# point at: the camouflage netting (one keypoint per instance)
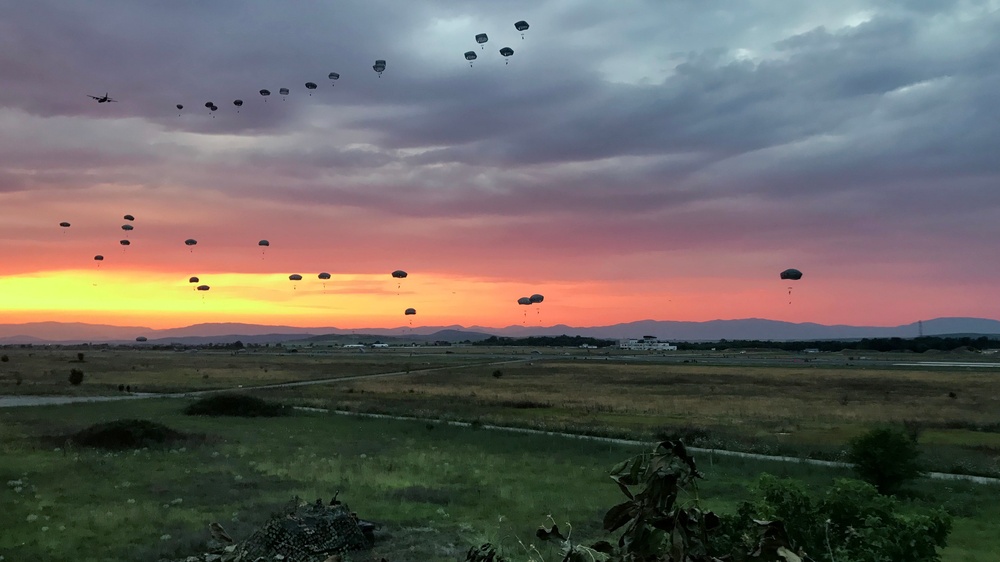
(304, 533)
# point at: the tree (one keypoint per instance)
(497, 374)
(886, 459)
(75, 377)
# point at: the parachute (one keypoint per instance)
(283, 92)
(127, 227)
(180, 106)
(324, 275)
(793, 275)
(64, 224)
(470, 56)
(379, 67)
(310, 86)
(209, 104)
(193, 280)
(124, 242)
(536, 298)
(333, 76)
(203, 287)
(506, 52)
(190, 242)
(98, 258)
(238, 104)
(524, 300)
(410, 311)
(265, 93)
(141, 339)
(263, 243)
(294, 277)
(482, 38)
(129, 218)
(399, 274)
(521, 26)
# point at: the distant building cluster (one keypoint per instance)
(646, 343)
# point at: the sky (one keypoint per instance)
(635, 159)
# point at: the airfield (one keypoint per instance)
(440, 488)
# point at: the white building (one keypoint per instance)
(646, 343)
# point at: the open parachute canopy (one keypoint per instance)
(482, 38)
(324, 276)
(792, 274)
(193, 280)
(310, 85)
(129, 218)
(283, 91)
(127, 227)
(203, 287)
(379, 66)
(124, 242)
(470, 56)
(506, 52)
(238, 103)
(180, 106)
(410, 311)
(190, 242)
(140, 338)
(295, 277)
(521, 25)
(536, 298)
(333, 76)
(263, 243)
(524, 300)
(399, 274)
(98, 257)
(265, 93)
(64, 224)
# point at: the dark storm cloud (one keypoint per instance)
(687, 113)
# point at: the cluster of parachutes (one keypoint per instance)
(378, 67)
(505, 52)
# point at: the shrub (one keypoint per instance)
(240, 405)
(849, 521)
(126, 434)
(885, 458)
(497, 374)
(4, 358)
(75, 377)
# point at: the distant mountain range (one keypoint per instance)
(714, 330)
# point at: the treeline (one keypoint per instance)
(546, 341)
(915, 345)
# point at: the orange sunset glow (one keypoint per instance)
(663, 175)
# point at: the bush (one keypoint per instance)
(885, 458)
(497, 374)
(850, 521)
(240, 405)
(126, 434)
(4, 358)
(75, 377)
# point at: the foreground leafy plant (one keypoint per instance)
(850, 521)
(657, 524)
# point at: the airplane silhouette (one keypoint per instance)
(103, 99)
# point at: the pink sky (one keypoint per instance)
(664, 171)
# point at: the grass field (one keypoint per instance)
(788, 409)
(443, 489)
(437, 489)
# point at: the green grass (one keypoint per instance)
(438, 489)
